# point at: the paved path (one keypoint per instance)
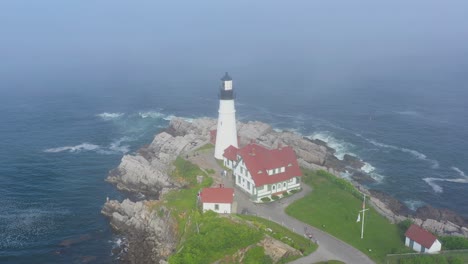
(330, 248)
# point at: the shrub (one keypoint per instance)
(266, 199)
(275, 197)
(295, 191)
(256, 255)
(286, 193)
(454, 242)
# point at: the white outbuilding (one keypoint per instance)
(421, 240)
(218, 200)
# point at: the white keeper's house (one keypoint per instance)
(263, 172)
(218, 200)
(421, 240)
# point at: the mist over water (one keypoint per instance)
(82, 84)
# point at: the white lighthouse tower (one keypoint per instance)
(226, 134)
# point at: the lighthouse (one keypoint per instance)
(226, 134)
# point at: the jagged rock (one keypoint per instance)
(353, 162)
(393, 204)
(440, 214)
(150, 234)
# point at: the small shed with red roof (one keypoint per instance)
(219, 200)
(263, 172)
(421, 240)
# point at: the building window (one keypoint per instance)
(216, 207)
(284, 185)
(248, 185)
(273, 187)
(242, 170)
(238, 178)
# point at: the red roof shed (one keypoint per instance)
(421, 236)
(217, 195)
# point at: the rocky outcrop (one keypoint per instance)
(440, 214)
(147, 172)
(150, 234)
(391, 203)
(277, 250)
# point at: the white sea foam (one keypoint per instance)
(438, 189)
(431, 181)
(115, 147)
(151, 114)
(109, 116)
(414, 204)
(367, 168)
(415, 153)
(376, 176)
(77, 148)
(460, 172)
(341, 147)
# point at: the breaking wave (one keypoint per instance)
(414, 204)
(367, 168)
(341, 147)
(151, 114)
(77, 148)
(109, 116)
(415, 153)
(116, 147)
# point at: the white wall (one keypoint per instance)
(246, 182)
(224, 208)
(226, 133)
(436, 247)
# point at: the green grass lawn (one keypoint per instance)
(334, 210)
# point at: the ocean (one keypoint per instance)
(57, 147)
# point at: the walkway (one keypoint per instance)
(330, 248)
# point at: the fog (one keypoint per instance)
(88, 46)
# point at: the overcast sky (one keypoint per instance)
(92, 42)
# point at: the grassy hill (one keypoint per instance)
(333, 206)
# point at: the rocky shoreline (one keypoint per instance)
(151, 235)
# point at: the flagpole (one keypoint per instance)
(363, 217)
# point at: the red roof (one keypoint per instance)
(230, 153)
(258, 160)
(420, 235)
(217, 195)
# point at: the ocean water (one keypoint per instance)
(56, 148)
